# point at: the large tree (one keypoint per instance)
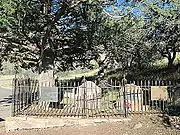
(165, 29)
(160, 32)
(52, 33)
(124, 40)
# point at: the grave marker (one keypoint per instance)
(49, 94)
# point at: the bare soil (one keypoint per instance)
(139, 125)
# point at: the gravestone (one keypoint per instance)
(133, 99)
(88, 95)
(47, 79)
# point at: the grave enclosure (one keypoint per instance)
(88, 99)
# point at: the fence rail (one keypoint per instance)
(91, 99)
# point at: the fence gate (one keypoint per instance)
(88, 99)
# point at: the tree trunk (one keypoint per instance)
(171, 58)
(170, 63)
(139, 64)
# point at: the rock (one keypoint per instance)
(177, 126)
(1, 119)
(139, 125)
(166, 120)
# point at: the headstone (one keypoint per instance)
(134, 97)
(132, 88)
(88, 95)
(47, 79)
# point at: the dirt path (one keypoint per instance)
(139, 125)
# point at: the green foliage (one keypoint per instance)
(68, 35)
(63, 39)
(8, 68)
(164, 34)
(77, 73)
(6, 10)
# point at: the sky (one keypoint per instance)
(123, 7)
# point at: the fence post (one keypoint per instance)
(124, 81)
(28, 87)
(14, 96)
(57, 84)
(84, 97)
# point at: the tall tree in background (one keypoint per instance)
(6, 11)
(165, 34)
(161, 21)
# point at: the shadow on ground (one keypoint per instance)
(1, 119)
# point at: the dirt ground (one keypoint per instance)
(5, 108)
(139, 125)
